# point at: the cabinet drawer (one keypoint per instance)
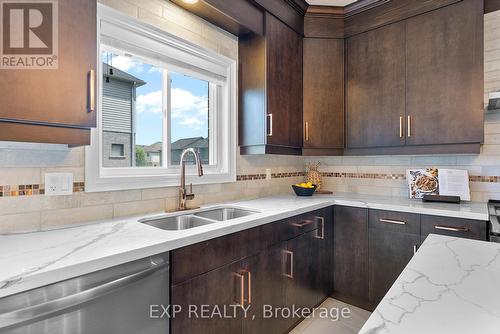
(193, 260)
(301, 224)
(394, 221)
(456, 227)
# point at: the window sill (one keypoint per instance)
(118, 157)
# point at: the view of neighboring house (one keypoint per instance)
(118, 113)
(198, 143)
(153, 153)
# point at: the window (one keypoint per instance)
(159, 95)
(117, 151)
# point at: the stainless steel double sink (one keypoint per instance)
(201, 217)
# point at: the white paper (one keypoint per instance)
(454, 182)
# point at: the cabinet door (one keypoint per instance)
(300, 264)
(323, 93)
(389, 253)
(57, 96)
(223, 288)
(266, 287)
(324, 249)
(350, 252)
(444, 51)
(376, 87)
(284, 84)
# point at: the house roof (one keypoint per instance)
(121, 75)
(181, 144)
(196, 142)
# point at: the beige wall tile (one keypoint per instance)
(138, 207)
(56, 218)
(26, 222)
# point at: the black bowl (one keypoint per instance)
(299, 191)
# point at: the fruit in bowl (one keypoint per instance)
(304, 189)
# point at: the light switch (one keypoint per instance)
(58, 184)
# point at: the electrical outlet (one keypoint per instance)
(268, 173)
(58, 184)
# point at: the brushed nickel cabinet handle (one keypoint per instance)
(307, 131)
(241, 296)
(452, 229)
(408, 131)
(320, 232)
(270, 118)
(389, 221)
(400, 126)
(288, 258)
(303, 223)
(91, 91)
(249, 287)
(415, 249)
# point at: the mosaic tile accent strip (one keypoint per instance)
(32, 189)
(250, 177)
(472, 178)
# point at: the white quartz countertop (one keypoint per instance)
(32, 260)
(451, 285)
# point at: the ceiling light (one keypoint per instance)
(190, 2)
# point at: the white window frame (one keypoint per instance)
(222, 126)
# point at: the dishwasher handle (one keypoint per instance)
(51, 308)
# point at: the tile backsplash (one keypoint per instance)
(22, 167)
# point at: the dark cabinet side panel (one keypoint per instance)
(350, 252)
(444, 51)
(376, 87)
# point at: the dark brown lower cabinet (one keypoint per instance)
(454, 227)
(220, 288)
(246, 270)
(266, 289)
(350, 255)
(301, 263)
(389, 253)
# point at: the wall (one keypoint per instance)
(22, 169)
(384, 175)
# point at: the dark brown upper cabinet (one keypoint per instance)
(416, 86)
(270, 111)
(55, 105)
(376, 87)
(323, 103)
(444, 83)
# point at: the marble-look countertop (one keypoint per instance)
(451, 285)
(32, 260)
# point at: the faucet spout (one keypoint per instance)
(184, 196)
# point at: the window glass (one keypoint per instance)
(117, 150)
(189, 117)
(132, 110)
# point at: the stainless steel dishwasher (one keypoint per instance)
(109, 301)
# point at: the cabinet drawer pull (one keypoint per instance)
(249, 287)
(241, 293)
(415, 248)
(91, 91)
(400, 126)
(320, 232)
(303, 223)
(270, 124)
(453, 229)
(307, 131)
(408, 131)
(288, 259)
(389, 221)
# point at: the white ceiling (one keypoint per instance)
(330, 2)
